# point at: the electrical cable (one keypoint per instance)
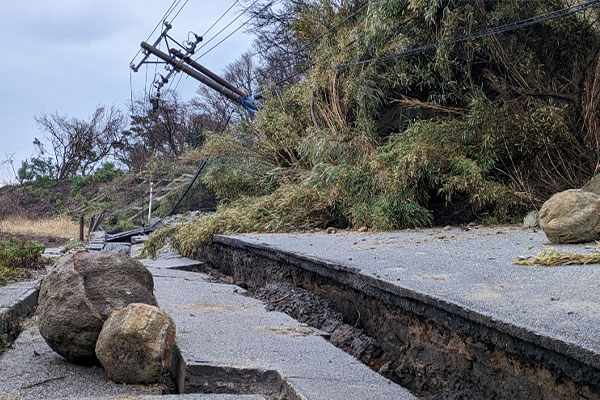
(228, 36)
(221, 17)
(184, 4)
(226, 26)
(165, 16)
(236, 30)
(206, 33)
(184, 194)
(318, 37)
(563, 12)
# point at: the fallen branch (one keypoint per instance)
(42, 382)
(355, 324)
(279, 299)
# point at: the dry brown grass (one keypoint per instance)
(554, 258)
(60, 227)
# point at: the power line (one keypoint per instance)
(563, 12)
(205, 33)
(182, 7)
(229, 35)
(221, 17)
(237, 29)
(226, 26)
(164, 17)
(317, 38)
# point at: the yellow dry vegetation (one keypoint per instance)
(59, 227)
(553, 258)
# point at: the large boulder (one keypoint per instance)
(593, 185)
(136, 343)
(81, 292)
(572, 216)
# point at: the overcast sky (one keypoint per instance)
(71, 55)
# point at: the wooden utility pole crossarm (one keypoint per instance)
(206, 72)
(230, 94)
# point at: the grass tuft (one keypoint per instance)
(553, 258)
(60, 227)
(18, 258)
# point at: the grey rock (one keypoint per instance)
(138, 239)
(136, 343)
(593, 185)
(532, 220)
(572, 216)
(81, 292)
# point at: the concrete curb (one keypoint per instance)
(233, 255)
(17, 305)
(368, 284)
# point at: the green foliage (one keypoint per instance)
(157, 240)
(477, 130)
(74, 244)
(104, 174)
(5, 342)
(289, 208)
(231, 178)
(36, 169)
(18, 256)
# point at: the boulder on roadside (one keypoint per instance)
(572, 216)
(81, 292)
(593, 185)
(136, 343)
(532, 220)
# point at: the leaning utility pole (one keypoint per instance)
(178, 61)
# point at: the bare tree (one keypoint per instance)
(165, 131)
(9, 162)
(218, 111)
(78, 146)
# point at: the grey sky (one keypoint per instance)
(71, 55)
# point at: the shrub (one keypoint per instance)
(472, 130)
(17, 257)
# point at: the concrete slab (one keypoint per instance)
(17, 302)
(32, 371)
(172, 262)
(139, 239)
(54, 252)
(122, 248)
(468, 273)
(228, 342)
(182, 397)
(95, 246)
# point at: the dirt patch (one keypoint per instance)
(48, 241)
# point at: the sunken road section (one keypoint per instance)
(449, 312)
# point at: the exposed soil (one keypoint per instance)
(315, 311)
(434, 354)
(48, 241)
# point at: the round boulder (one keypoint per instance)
(135, 345)
(81, 292)
(572, 216)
